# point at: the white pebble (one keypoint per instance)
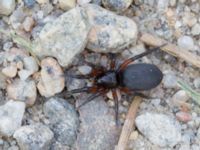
(186, 42)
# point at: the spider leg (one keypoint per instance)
(130, 60)
(115, 97)
(141, 95)
(112, 62)
(92, 89)
(89, 99)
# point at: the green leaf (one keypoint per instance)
(192, 93)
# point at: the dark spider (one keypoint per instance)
(127, 77)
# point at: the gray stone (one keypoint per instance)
(7, 6)
(110, 32)
(84, 69)
(11, 114)
(196, 29)
(23, 91)
(117, 5)
(98, 130)
(186, 42)
(34, 137)
(63, 120)
(65, 37)
(160, 129)
(170, 80)
(29, 3)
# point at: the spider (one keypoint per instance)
(128, 78)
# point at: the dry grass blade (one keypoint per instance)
(171, 49)
(22, 42)
(128, 124)
(192, 93)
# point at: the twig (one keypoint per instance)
(128, 124)
(171, 49)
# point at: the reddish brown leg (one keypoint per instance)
(132, 59)
(115, 97)
(93, 89)
(112, 63)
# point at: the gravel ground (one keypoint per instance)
(65, 37)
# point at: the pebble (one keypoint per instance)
(83, 2)
(66, 4)
(170, 80)
(28, 24)
(52, 42)
(160, 129)
(24, 74)
(34, 137)
(63, 119)
(162, 4)
(196, 29)
(29, 3)
(51, 79)
(7, 7)
(183, 116)
(186, 42)
(10, 71)
(197, 83)
(11, 114)
(109, 32)
(189, 19)
(42, 1)
(24, 91)
(180, 97)
(7, 46)
(30, 64)
(117, 5)
(98, 130)
(84, 69)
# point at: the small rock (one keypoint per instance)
(16, 55)
(7, 46)
(196, 29)
(42, 1)
(98, 129)
(10, 71)
(197, 83)
(29, 3)
(84, 69)
(117, 5)
(186, 42)
(180, 97)
(162, 4)
(110, 32)
(30, 64)
(11, 114)
(52, 79)
(65, 37)
(63, 120)
(1, 142)
(183, 116)
(28, 24)
(170, 80)
(66, 5)
(24, 74)
(34, 137)
(7, 7)
(189, 19)
(82, 2)
(23, 91)
(160, 129)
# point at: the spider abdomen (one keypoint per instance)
(141, 77)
